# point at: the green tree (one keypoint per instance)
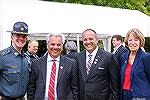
(141, 5)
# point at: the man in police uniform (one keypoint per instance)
(15, 65)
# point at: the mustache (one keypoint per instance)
(88, 44)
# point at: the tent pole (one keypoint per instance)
(78, 43)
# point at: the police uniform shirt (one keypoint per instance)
(14, 73)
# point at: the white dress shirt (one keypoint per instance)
(49, 67)
(93, 55)
(115, 49)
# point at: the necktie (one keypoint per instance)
(51, 91)
(89, 63)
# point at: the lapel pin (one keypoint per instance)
(61, 67)
(125, 62)
(96, 59)
(95, 62)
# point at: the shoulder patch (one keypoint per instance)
(4, 52)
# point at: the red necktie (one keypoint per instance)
(51, 91)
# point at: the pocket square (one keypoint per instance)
(101, 68)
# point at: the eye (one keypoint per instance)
(85, 39)
(24, 36)
(52, 44)
(90, 38)
(58, 45)
(130, 40)
(136, 40)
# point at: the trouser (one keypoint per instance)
(127, 96)
(11, 98)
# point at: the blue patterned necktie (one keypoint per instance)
(89, 63)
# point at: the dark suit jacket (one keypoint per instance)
(72, 54)
(67, 79)
(140, 74)
(103, 81)
(121, 50)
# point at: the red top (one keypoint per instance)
(126, 84)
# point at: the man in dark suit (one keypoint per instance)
(119, 49)
(53, 76)
(32, 49)
(101, 80)
(71, 49)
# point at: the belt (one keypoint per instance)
(11, 98)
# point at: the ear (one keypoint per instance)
(11, 37)
(47, 46)
(97, 40)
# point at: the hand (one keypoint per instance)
(0, 97)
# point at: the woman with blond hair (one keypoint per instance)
(135, 82)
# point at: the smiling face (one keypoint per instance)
(33, 47)
(89, 40)
(116, 42)
(18, 41)
(133, 43)
(55, 46)
(134, 39)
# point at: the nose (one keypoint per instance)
(22, 37)
(88, 41)
(55, 46)
(36, 48)
(132, 42)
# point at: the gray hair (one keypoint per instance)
(57, 35)
(71, 46)
(30, 41)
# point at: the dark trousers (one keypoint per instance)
(11, 98)
(126, 95)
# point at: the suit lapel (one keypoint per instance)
(83, 65)
(97, 59)
(43, 67)
(123, 68)
(61, 69)
(136, 60)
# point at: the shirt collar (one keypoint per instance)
(16, 52)
(93, 53)
(117, 47)
(50, 58)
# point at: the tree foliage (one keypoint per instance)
(141, 5)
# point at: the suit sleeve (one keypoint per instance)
(32, 83)
(146, 63)
(114, 79)
(74, 81)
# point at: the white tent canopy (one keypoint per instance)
(49, 17)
